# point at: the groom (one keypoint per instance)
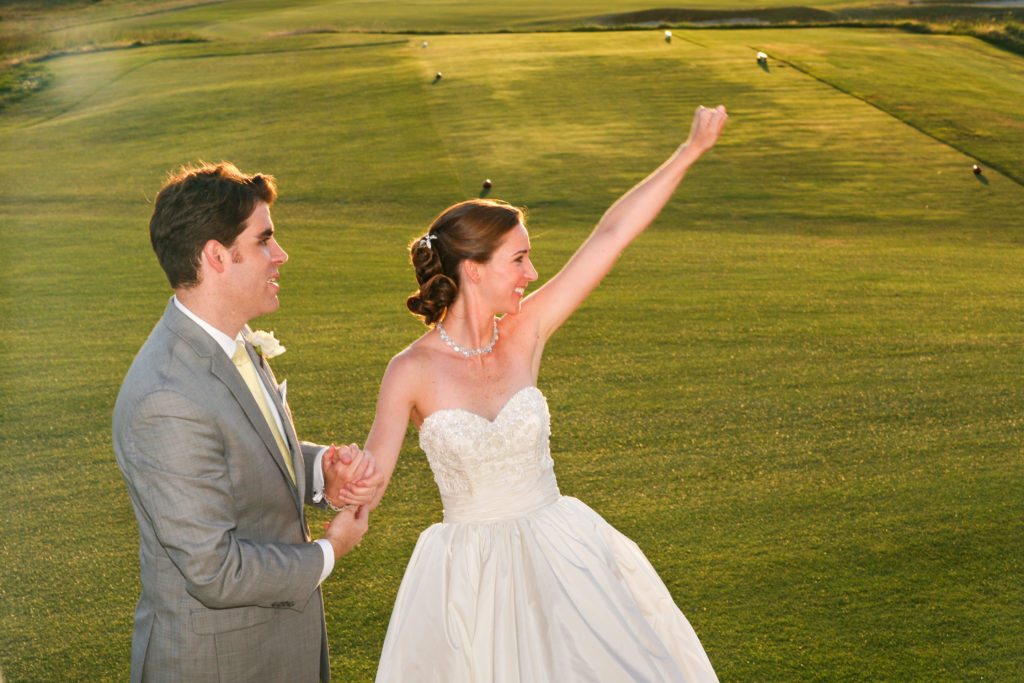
(215, 472)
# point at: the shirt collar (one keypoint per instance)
(224, 341)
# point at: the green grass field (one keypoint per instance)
(801, 392)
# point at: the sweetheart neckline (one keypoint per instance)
(482, 417)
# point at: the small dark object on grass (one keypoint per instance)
(976, 169)
(487, 184)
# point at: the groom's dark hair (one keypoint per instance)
(198, 204)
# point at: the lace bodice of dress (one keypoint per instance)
(491, 470)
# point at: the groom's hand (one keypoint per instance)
(347, 529)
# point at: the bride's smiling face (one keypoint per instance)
(503, 280)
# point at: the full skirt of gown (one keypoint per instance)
(522, 584)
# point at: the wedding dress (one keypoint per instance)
(521, 584)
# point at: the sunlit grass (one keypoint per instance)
(800, 393)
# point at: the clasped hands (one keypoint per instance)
(351, 476)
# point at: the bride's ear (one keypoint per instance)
(471, 270)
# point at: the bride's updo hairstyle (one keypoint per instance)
(468, 230)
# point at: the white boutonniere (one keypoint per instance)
(266, 344)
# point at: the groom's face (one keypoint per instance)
(256, 258)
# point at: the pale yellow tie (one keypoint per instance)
(252, 380)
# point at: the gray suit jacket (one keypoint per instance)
(229, 576)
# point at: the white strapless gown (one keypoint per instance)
(520, 583)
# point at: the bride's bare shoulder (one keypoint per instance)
(409, 372)
(413, 359)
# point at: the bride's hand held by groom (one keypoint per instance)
(351, 475)
(351, 480)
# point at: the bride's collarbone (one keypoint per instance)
(482, 384)
(480, 390)
(485, 376)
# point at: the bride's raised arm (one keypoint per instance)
(553, 303)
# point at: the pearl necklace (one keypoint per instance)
(468, 353)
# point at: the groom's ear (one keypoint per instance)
(215, 255)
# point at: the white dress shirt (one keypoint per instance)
(229, 345)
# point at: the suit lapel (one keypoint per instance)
(269, 381)
(222, 368)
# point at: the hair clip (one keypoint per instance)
(427, 239)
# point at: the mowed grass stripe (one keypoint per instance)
(959, 90)
(788, 137)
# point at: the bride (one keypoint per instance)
(518, 583)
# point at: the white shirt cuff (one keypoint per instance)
(328, 549)
(318, 478)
